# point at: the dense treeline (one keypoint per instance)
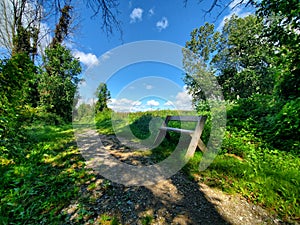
(30, 92)
(256, 62)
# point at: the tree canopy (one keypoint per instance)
(256, 62)
(103, 96)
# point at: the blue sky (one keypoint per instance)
(141, 85)
(144, 85)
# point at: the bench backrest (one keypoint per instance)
(197, 119)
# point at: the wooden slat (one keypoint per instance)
(185, 118)
(177, 130)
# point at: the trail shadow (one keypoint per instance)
(174, 201)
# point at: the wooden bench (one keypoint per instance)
(195, 134)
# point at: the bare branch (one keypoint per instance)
(108, 10)
(221, 12)
(213, 5)
(238, 4)
(216, 3)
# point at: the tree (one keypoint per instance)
(282, 25)
(281, 28)
(16, 74)
(103, 95)
(84, 111)
(204, 41)
(59, 81)
(244, 64)
(62, 28)
(20, 25)
(197, 60)
(238, 56)
(20, 21)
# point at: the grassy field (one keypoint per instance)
(41, 176)
(246, 165)
(43, 173)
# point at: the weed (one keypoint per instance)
(147, 220)
(109, 220)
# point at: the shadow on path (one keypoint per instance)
(176, 200)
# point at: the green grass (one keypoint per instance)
(264, 176)
(246, 165)
(42, 177)
(147, 220)
(261, 181)
(42, 172)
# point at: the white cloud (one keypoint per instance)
(136, 15)
(183, 101)
(91, 101)
(123, 105)
(148, 109)
(238, 10)
(45, 37)
(162, 24)
(151, 12)
(106, 56)
(87, 59)
(149, 87)
(152, 103)
(168, 103)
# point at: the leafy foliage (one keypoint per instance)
(238, 56)
(282, 24)
(103, 96)
(256, 61)
(16, 74)
(63, 26)
(59, 81)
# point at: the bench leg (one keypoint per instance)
(159, 138)
(201, 145)
(192, 146)
(196, 139)
(162, 133)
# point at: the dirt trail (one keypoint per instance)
(176, 200)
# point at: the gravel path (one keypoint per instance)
(176, 200)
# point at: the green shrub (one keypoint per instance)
(285, 125)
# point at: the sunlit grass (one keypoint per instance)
(245, 165)
(35, 188)
(264, 178)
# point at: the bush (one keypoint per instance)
(277, 123)
(285, 127)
